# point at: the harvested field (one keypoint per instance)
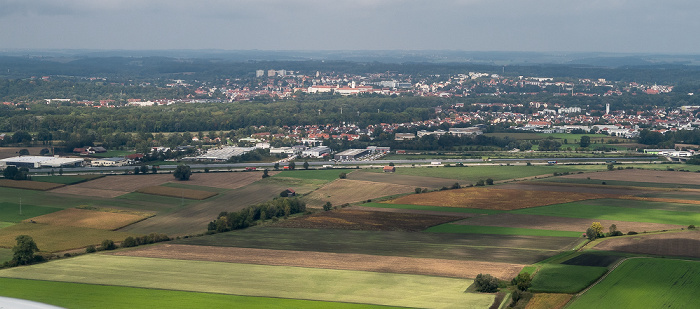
(259, 280)
(52, 238)
(471, 247)
(177, 192)
(113, 186)
(88, 218)
(406, 180)
(548, 301)
(223, 180)
(66, 180)
(346, 261)
(685, 244)
(489, 198)
(643, 176)
(29, 185)
(560, 223)
(355, 219)
(350, 191)
(194, 218)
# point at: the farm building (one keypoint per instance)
(377, 149)
(316, 152)
(116, 161)
(389, 169)
(351, 154)
(466, 131)
(38, 161)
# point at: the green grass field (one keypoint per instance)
(9, 212)
(432, 208)
(645, 283)
(259, 280)
(472, 229)
(66, 180)
(6, 224)
(483, 247)
(559, 278)
(83, 296)
(643, 204)
(5, 255)
(495, 172)
(327, 175)
(599, 212)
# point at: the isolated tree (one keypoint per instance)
(611, 167)
(594, 231)
(277, 165)
(522, 281)
(137, 170)
(265, 174)
(10, 172)
(480, 183)
(23, 252)
(418, 190)
(60, 171)
(292, 165)
(144, 169)
(306, 165)
(585, 141)
(182, 172)
(343, 175)
(489, 181)
(24, 152)
(327, 206)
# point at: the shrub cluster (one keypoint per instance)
(279, 207)
(144, 240)
(486, 283)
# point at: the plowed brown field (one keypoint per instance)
(354, 219)
(28, 184)
(88, 218)
(177, 192)
(560, 223)
(667, 244)
(497, 199)
(344, 261)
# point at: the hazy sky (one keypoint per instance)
(668, 26)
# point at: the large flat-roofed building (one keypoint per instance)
(39, 161)
(351, 154)
(116, 161)
(316, 152)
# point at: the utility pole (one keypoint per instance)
(20, 206)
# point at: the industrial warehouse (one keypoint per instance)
(39, 161)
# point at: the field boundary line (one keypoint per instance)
(579, 294)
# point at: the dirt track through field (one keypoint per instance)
(560, 223)
(343, 261)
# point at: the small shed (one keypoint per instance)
(389, 169)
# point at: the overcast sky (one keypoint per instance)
(637, 26)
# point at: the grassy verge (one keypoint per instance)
(327, 175)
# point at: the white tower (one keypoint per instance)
(607, 108)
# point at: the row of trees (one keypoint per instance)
(279, 207)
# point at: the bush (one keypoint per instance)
(455, 185)
(691, 227)
(182, 172)
(632, 233)
(90, 249)
(480, 183)
(418, 190)
(343, 175)
(486, 283)
(129, 242)
(108, 244)
(489, 181)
